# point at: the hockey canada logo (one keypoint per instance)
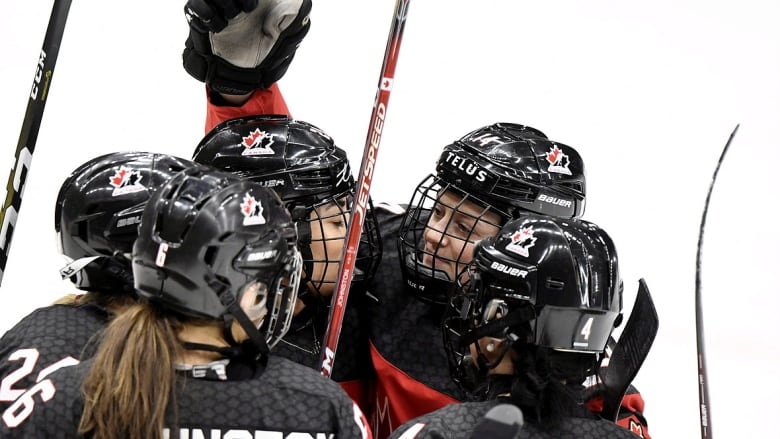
(522, 240)
(126, 181)
(258, 143)
(559, 162)
(252, 210)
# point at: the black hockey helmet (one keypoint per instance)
(205, 237)
(97, 214)
(505, 169)
(545, 281)
(515, 168)
(305, 167)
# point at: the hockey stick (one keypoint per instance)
(358, 211)
(44, 71)
(704, 392)
(630, 352)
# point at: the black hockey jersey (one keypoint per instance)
(43, 341)
(352, 368)
(407, 350)
(458, 421)
(282, 400)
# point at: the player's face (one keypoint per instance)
(328, 224)
(454, 226)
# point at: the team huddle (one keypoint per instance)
(206, 283)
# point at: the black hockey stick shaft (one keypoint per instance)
(363, 187)
(705, 418)
(630, 352)
(39, 93)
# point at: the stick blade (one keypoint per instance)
(631, 350)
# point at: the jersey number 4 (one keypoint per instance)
(24, 403)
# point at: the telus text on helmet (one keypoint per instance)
(467, 166)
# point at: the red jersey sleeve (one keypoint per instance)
(269, 101)
(631, 415)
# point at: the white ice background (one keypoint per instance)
(648, 92)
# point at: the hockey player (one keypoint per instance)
(251, 134)
(96, 218)
(482, 180)
(312, 176)
(528, 321)
(216, 261)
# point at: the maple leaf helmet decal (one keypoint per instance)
(97, 213)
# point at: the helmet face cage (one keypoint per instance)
(476, 310)
(206, 236)
(459, 317)
(97, 213)
(281, 301)
(322, 237)
(313, 178)
(438, 233)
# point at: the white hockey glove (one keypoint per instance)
(252, 52)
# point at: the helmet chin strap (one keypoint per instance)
(225, 351)
(234, 311)
(76, 266)
(491, 328)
